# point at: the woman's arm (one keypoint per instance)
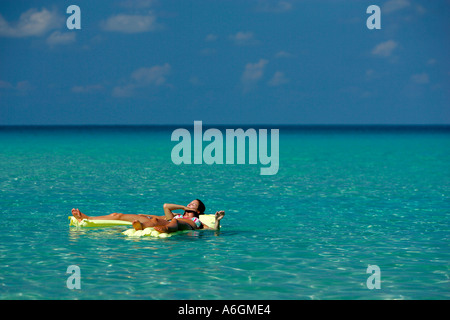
(219, 215)
(168, 208)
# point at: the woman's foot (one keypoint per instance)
(79, 215)
(137, 225)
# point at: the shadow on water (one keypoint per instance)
(77, 233)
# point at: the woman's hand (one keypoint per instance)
(219, 215)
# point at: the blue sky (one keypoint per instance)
(224, 62)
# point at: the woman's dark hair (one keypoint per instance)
(201, 206)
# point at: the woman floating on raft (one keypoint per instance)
(168, 223)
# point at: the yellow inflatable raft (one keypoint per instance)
(206, 219)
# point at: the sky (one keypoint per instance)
(150, 62)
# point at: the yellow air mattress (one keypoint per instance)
(206, 219)
(86, 223)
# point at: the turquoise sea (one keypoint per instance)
(344, 198)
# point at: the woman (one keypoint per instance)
(167, 223)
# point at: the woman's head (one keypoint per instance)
(198, 206)
(201, 206)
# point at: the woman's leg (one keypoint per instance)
(116, 216)
(172, 226)
(140, 224)
(176, 225)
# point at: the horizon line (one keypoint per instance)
(233, 125)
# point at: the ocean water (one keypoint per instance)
(344, 198)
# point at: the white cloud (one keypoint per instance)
(195, 81)
(126, 23)
(31, 23)
(211, 37)
(208, 51)
(138, 4)
(243, 38)
(156, 75)
(123, 91)
(394, 5)
(253, 72)
(420, 9)
(421, 78)
(143, 77)
(87, 89)
(284, 54)
(278, 79)
(21, 87)
(5, 85)
(384, 49)
(61, 38)
(274, 6)
(370, 74)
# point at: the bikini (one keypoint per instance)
(196, 220)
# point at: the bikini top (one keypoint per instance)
(196, 220)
